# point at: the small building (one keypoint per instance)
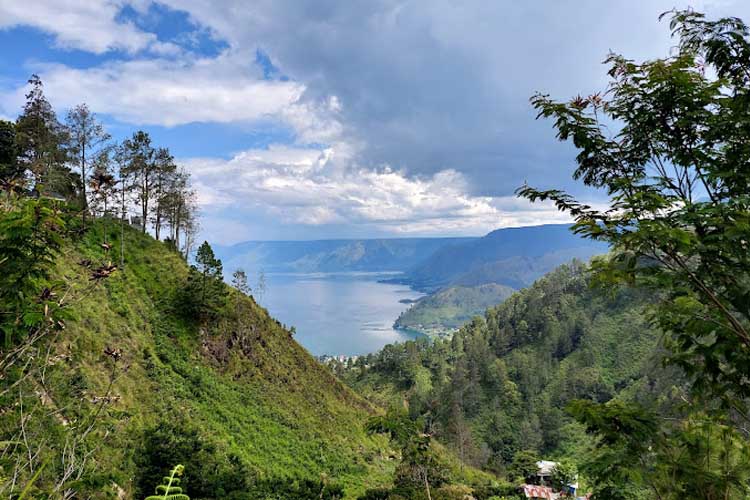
(544, 474)
(543, 487)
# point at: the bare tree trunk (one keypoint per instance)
(105, 219)
(122, 228)
(144, 200)
(157, 222)
(178, 222)
(83, 183)
(427, 485)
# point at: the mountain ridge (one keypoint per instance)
(508, 256)
(332, 255)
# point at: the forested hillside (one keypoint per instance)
(129, 366)
(126, 356)
(445, 310)
(497, 390)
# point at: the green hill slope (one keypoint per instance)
(236, 400)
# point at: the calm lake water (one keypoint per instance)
(338, 313)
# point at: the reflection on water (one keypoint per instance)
(338, 313)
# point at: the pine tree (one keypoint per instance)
(40, 136)
(165, 171)
(205, 292)
(125, 183)
(102, 184)
(239, 282)
(170, 488)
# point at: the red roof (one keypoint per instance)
(532, 491)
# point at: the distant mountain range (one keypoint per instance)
(513, 257)
(369, 255)
(466, 278)
(463, 276)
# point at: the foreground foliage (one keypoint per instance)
(675, 170)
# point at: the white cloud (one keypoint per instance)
(170, 92)
(314, 187)
(89, 25)
(437, 84)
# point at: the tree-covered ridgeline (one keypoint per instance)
(496, 392)
(77, 161)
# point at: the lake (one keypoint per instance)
(338, 313)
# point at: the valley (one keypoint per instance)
(358, 271)
(330, 289)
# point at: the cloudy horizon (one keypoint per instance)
(315, 120)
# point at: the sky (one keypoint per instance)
(335, 119)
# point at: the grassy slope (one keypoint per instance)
(265, 399)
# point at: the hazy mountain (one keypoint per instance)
(388, 254)
(514, 257)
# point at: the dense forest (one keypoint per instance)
(632, 371)
(497, 390)
(129, 367)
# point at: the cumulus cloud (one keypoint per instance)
(431, 85)
(410, 117)
(318, 187)
(169, 92)
(89, 25)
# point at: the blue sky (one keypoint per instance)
(319, 119)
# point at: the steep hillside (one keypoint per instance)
(513, 257)
(499, 386)
(394, 254)
(446, 310)
(236, 400)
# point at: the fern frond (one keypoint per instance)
(170, 489)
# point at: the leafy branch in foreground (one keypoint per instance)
(679, 190)
(675, 170)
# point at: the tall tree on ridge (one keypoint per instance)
(165, 171)
(86, 137)
(125, 181)
(103, 183)
(205, 291)
(239, 282)
(39, 135)
(179, 210)
(142, 168)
